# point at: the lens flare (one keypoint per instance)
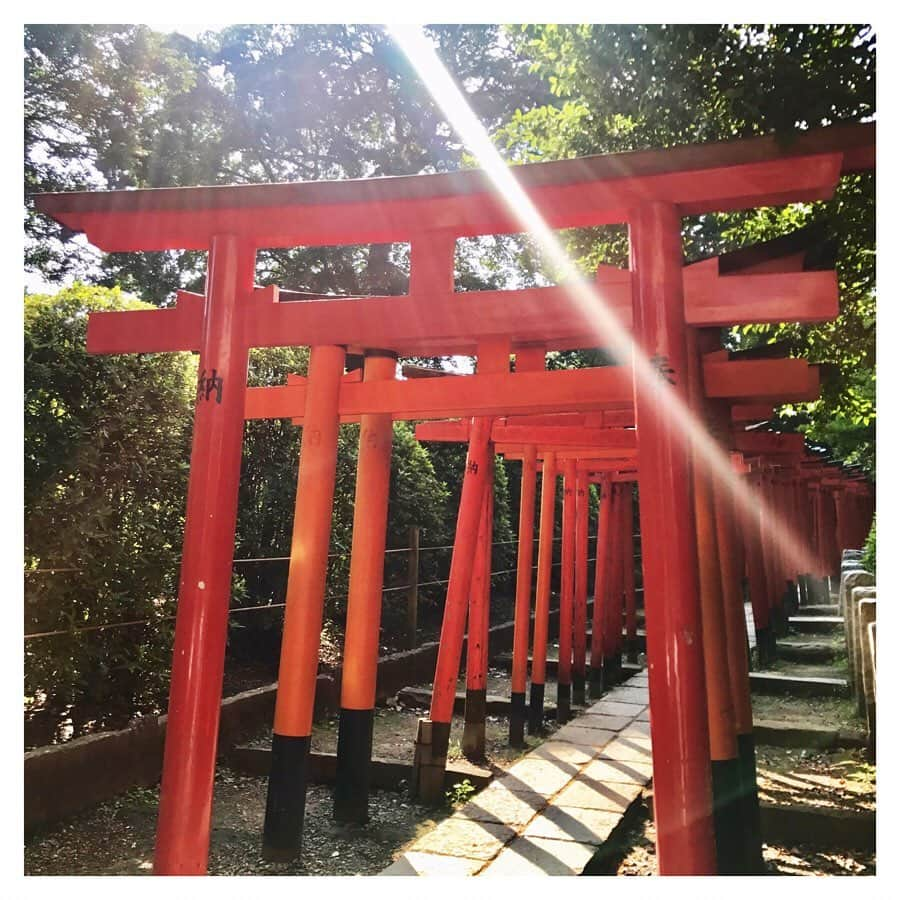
(749, 503)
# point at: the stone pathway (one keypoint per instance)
(551, 811)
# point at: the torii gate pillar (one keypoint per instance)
(204, 592)
(681, 774)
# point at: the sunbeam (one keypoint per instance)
(684, 424)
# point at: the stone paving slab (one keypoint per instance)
(550, 811)
(413, 863)
(541, 856)
(614, 771)
(458, 836)
(500, 805)
(590, 794)
(575, 733)
(612, 708)
(574, 823)
(564, 751)
(546, 776)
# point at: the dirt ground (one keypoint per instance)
(638, 856)
(823, 712)
(117, 838)
(837, 779)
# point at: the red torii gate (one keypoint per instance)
(648, 190)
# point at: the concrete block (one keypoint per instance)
(529, 856)
(502, 806)
(852, 578)
(459, 836)
(543, 776)
(613, 797)
(584, 736)
(856, 640)
(610, 708)
(563, 751)
(574, 823)
(628, 750)
(637, 695)
(413, 863)
(866, 617)
(605, 723)
(618, 771)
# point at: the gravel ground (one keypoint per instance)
(117, 838)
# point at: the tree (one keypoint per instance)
(630, 87)
(107, 440)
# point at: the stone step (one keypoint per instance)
(807, 651)
(829, 609)
(798, 686)
(816, 624)
(778, 733)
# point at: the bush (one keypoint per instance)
(869, 554)
(107, 444)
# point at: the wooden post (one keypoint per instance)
(685, 841)
(204, 591)
(412, 593)
(286, 800)
(364, 596)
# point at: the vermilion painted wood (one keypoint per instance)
(720, 708)
(204, 591)
(571, 193)
(567, 574)
(441, 398)
(435, 319)
(630, 601)
(767, 442)
(364, 594)
(529, 392)
(579, 643)
(755, 567)
(523, 572)
(678, 717)
(311, 533)
(601, 568)
(544, 572)
(461, 564)
(611, 594)
(479, 592)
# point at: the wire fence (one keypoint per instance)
(270, 606)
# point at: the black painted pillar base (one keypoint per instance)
(803, 589)
(286, 798)
(791, 598)
(728, 818)
(536, 709)
(430, 761)
(612, 670)
(753, 858)
(763, 647)
(578, 692)
(632, 649)
(596, 682)
(354, 756)
(473, 731)
(517, 717)
(563, 703)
